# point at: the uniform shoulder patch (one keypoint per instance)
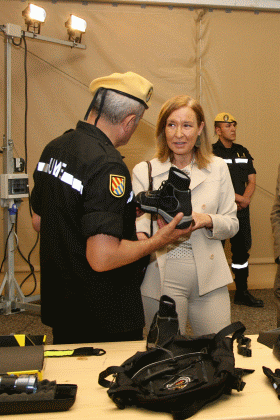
(117, 185)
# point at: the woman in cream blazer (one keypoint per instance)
(201, 295)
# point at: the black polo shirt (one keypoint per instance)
(82, 188)
(240, 164)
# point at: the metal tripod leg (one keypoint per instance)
(13, 299)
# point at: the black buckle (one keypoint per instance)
(243, 346)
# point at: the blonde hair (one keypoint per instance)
(203, 153)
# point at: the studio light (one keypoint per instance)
(76, 27)
(34, 16)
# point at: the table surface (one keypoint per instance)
(258, 400)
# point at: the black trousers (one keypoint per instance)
(242, 241)
(66, 335)
(240, 246)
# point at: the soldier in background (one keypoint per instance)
(243, 175)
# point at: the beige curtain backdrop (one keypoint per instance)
(229, 60)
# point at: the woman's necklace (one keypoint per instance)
(188, 168)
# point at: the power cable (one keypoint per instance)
(28, 259)
(6, 245)
(57, 68)
(263, 189)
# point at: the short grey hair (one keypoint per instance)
(117, 107)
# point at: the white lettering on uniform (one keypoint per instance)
(49, 167)
(57, 169)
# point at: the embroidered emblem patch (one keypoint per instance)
(117, 185)
(179, 383)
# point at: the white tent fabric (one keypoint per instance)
(228, 59)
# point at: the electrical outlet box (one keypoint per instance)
(14, 186)
(13, 30)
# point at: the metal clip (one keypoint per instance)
(243, 346)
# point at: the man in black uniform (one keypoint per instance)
(243, 175)
(83, 206)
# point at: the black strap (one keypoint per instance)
(243, 346)
(112, 370)
(236, 328)
(150, 175)
(150, 188)
(123, 393)
(104, 91)
(81, 351)
(101, 105)
(91, 104)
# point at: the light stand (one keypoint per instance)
(14, 187)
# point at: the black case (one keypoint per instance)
(64, 398)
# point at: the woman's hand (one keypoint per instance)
(139, 212)
(201, 220)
